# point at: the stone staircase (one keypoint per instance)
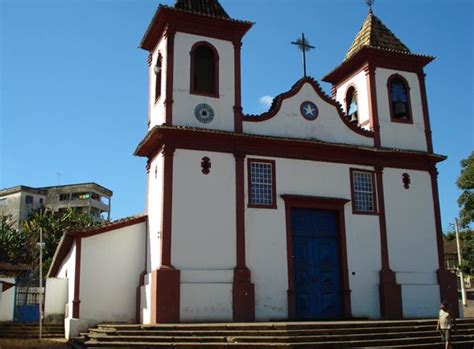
(340, 334)
(30, 331)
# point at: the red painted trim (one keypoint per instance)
(437, 216)
(277, 103)
(240, 209)
(237, 87)
(6, 286)
(218, 28)
(377, 58)
(426, 117)
(382, 219)
(320, 203)
(165, 290)
(389, 96)
(150, 74)
(192, 88)
(170, 34)
(158, 78)
(113, 226)
(229, 142)
(373, 108)
(168, 152)
(249, 183)
(243, 291)
(374, 194)
(390, 293)
(77, 280)
(141, 282)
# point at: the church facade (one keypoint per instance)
(323, 207)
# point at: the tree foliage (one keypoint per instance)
(21, 246)
(467, 265)
(465, 182)
(11, 242)
(53, 225)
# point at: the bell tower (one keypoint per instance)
(381, 86)
(194, 66)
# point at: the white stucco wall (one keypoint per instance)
(266, 239)
(411, 235)
(112, 263)
(7, 300)
(204, 232)
(56, 296)
(184, 102)
(155, 212)
(359, 81)
(395, 134)
(289, 122)
(157, 107)
(67, 270)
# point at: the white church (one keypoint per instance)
(323, 207)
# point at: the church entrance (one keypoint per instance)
(317, 279)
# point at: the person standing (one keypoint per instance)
(446, 323)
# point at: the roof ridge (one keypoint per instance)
(375, 34)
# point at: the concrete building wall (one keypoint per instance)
(185, 102)
(266, 239)
(68, 271)
(155, 212)
(411, 234)
(112, 262)
(395, 134)
(56, 298)
(7, 300)
(359, 81)
(289, 122)
(203, 240)
(156, 107)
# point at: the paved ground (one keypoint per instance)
(469, 310)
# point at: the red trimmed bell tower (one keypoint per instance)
(194, 81)
(389, 84)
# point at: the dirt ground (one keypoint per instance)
(33, 343)
(469, 310)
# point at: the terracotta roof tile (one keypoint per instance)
(203, 7)
(375, 34)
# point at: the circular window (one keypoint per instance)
(204, 113)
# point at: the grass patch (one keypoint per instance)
(33, 343)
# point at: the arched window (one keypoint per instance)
(158, 72)
(352, 108)
(399, 98)
(204, 70)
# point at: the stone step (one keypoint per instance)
(251, 332)
(278, 325)
(272, 339)
(400, 343)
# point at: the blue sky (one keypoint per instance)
(73, 84)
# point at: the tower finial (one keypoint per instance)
(370, 3)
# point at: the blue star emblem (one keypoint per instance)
(309, 110)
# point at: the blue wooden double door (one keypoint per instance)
(316, 264)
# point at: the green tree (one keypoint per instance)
(53, 225)
(467, 265)
(12, 242)
(465, 182)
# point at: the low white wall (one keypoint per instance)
(111, 264)
(206, 295)
(56, 297)
(7, 300)
(67, 271)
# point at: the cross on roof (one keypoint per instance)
(304, 46)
